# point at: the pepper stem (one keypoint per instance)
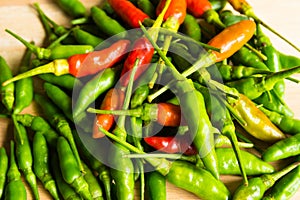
(133, 112)
(57, 67)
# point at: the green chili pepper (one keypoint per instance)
(70, 169)
(191, 28)
(41, 165)
(259, 85)
(59, 121)
(23, 87)
(94, 163)
(57, 52)
(60, 99)
(66, 81)
(66, 191)
(147, 7)
(39, 125)
(14, 188)
(94, 186)
(156, 184)
(286, 187)
(283, 149)
(3, 169)
(74, 8)
(288, 61)
(24, 157)
(287, 124)
(259, 185)
(106, 24)
(83, 37)
(229, 18)
(270, 101)
(7, 92)
(246, 57)
(93, 88)
(218, 4)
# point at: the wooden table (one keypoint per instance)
(20, 17)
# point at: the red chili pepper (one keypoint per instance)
(168, 114)
(176, 10)
(81, 64)
(170, 144)
(198, 7)
(128, 12)
(113, 100)
(232, 39)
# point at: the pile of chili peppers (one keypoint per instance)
(196, 95)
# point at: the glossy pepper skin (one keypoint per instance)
(283, 149)
(7, 92)
(176, 10)
(74, 8)
(198, 8)
(70, 169)
(257, 123)
(3, 169)
(128, 12)
(15, 188)
(156, 185)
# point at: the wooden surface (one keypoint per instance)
(20, 17)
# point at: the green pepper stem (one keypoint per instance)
(192, 158)
(133, 112)
(58, 67)
(258, 53)
(17, 129)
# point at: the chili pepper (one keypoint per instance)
(257, 123)
(94, 186)
(287, 124)
(41, 165)
(244, 7)
(139, 96)
(282, 149)
(112, 101)
(204, 9)
(60, 99)
(286, 187)
(7, 92)
(147, 7)
(66, 191)
(229, 18)
(24, 87)
(66, 81)
(142, 49)
(83, 37)
(191, 28)
(270, 101)
(260, 84)
(122, 169)
(259, 185)
(218, 5)
(128, 12)
(156, 185)
(59, 121)
(288, 61)
(94, 163)
(3, 169)
(177, 171)
(56, 52)
(39, 125)
(95, 87)
(106, 24)
(81, 64)
(74, 8)
(70, 169)
(24, 157)
(14, 188)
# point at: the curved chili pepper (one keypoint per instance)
(7, 92)
(3, 169)
(259, 185)
(113, 100)
(261, 84)
(156, 185)
(86, 38)
(147, 7)
(66, 81)
(257, 123)
(191, 28)
(81, 64)
(288, 61)
(25, 158)
(15, 188)
(70, 169)
(24, 87)
(74, 8)
(283, 149)
(128, 12)
(41, 165)
(229, 18)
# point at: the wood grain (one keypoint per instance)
(20, 17)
